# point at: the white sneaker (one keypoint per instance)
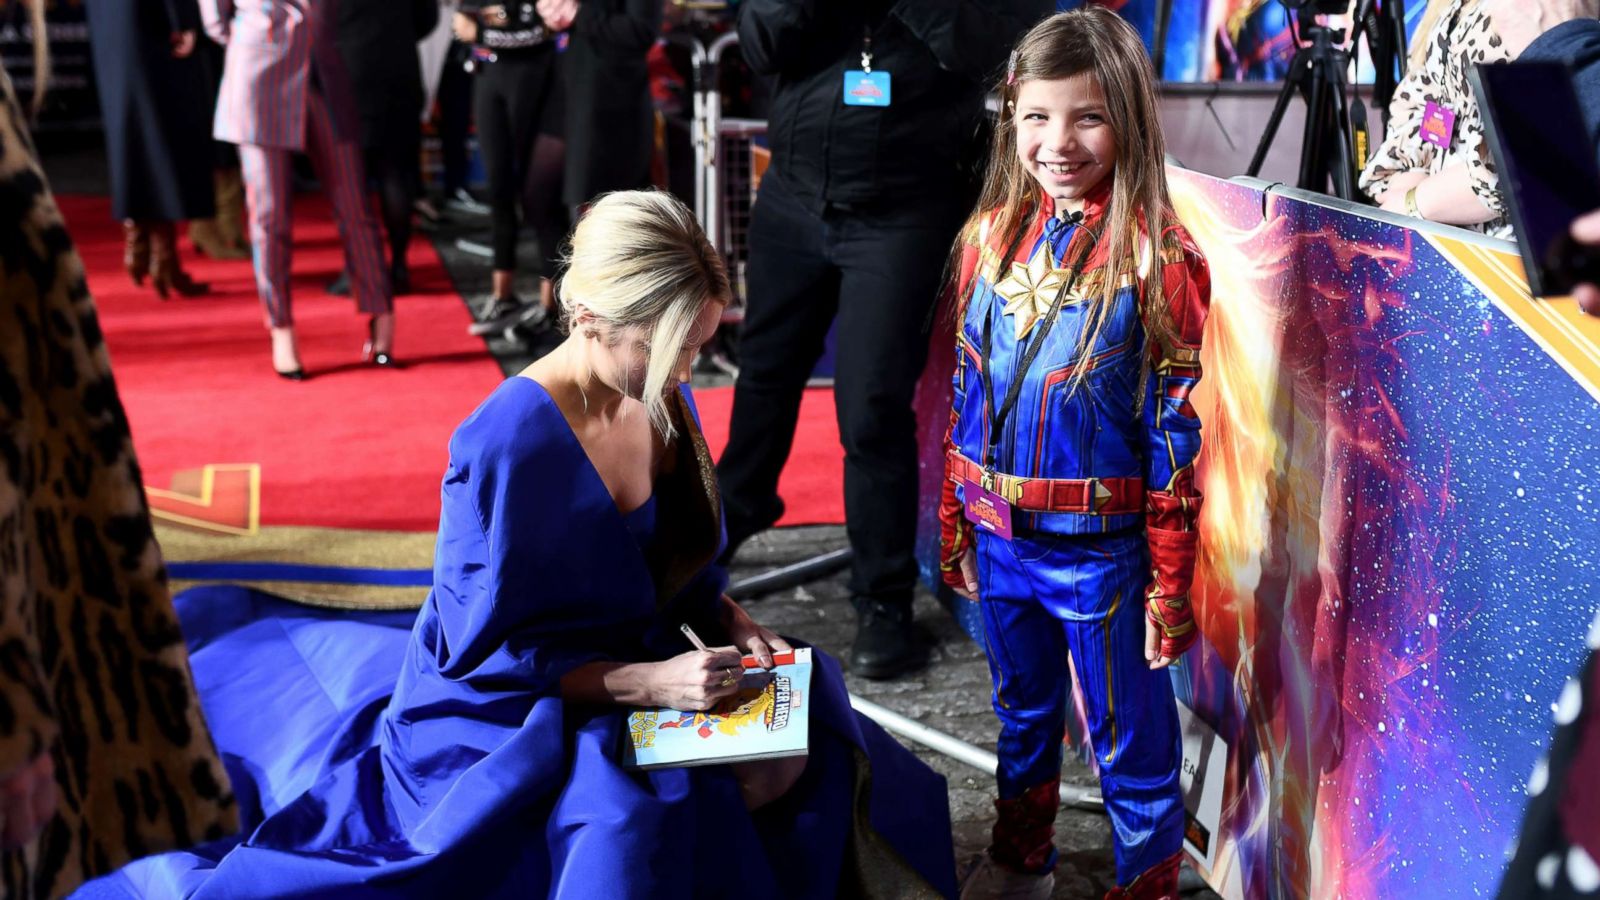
(988, 880)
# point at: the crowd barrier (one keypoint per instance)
(1398, 547)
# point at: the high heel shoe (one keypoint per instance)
(370, 352)
(283, 346)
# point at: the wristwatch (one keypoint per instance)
(1411, 202)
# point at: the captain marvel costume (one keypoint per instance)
(431, 754)
(1099, 485)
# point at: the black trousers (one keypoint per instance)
(455, 116)
(878, 272)
(517, 101)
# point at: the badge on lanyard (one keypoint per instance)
(1438, 125)
(987, 510)
(864, 87)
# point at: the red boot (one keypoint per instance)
(1024, 833)
(1159, 882)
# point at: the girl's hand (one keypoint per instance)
(750, 637)
(1152, 646)
(969, 574)
(697, 680)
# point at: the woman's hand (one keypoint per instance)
(750, 637)
(696, 680)
(1394, 199)
(557, 14)
(27, 801)
(182, 43)
(464, 27)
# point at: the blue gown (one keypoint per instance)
(431, 754)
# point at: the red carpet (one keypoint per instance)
(353, 447)
(812, 484)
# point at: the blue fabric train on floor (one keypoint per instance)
(431, 754)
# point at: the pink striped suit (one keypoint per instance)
(284, 88)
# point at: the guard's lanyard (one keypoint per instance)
(866, 49)
(1042, 330)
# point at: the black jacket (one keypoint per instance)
(378, 42)
(941, 55)
(610, 121)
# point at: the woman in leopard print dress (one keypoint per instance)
(104, 755)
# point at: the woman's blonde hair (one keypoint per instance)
(639, 259)
(1096, 41)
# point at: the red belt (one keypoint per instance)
(1085, 496)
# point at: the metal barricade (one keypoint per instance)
(726, 170)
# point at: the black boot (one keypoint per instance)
(886, 644)
(742, 528)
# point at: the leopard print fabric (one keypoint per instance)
(93, 668)
(1462, 36)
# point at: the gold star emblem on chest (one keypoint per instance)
(1028, 290)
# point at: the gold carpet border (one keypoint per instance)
(305, 545)
(1556, 324)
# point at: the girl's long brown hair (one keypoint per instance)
(1099, 42)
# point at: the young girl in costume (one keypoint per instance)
(1070, 508)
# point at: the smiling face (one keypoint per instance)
(1064, 137)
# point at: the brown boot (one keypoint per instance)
(166, 271)
(207, 238)
(230, 210)
(135, 251)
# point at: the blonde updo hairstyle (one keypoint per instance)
(640, 259)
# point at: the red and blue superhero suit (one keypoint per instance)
(1100, 483)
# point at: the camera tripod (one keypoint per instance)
(1317, 72)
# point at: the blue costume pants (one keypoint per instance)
(1045, 597)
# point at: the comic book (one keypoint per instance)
(768, 719)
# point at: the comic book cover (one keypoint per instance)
(766, 720)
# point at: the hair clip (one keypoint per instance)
(1011, 69)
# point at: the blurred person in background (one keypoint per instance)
(104, 754)
(154, 106)
(855, 220)
(379, 46)
(285, 89)
(1434, 162)
(609, 116)
(223, 235)
(517, 107)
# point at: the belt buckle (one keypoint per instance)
(1099, 496)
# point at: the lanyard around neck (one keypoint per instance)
(1042, 330)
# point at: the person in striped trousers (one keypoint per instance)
(284, 89)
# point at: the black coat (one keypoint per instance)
(378, 41)
(156, 109)
(942, 56)
(610, 122)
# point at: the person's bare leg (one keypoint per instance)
(503, 284)
(285, 353)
